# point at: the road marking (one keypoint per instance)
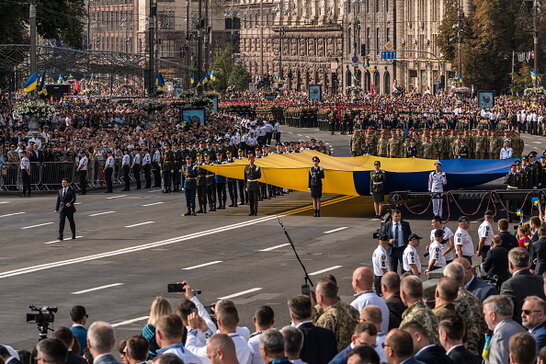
(3, 202)
(299, 134)
(114, 197)
(274, 247)
(102, 213)
(240, 293)
(140, 224)
(37, 225)
(122, 323)
(154, 190)
(98, 288)
(336, 230)
(77, 203)
(290, 132)
(156, 244)
(152, 204)
(13, 214)
(307, 136)
(537, 142)
(202, 265)
(325, 270)
(58, 241)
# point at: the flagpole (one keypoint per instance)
(32, 23)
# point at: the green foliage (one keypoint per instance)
(447, 38)
(230, 76)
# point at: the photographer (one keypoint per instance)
(191, 304)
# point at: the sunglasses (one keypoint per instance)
(528, 312)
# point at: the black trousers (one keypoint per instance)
(243, 195)
(253, 201)
(157, 175)
(136, 174)
(377, 284)
(395, 257)
(202, 197)
(26, 182)
(211, 196)
(483, 252)
(176, 180)
(83, 181)
(221, 192)
(62, 217)
(126, 179)
(166, 180)
(147, 176)
(190, 198)
(108, 178)
(232, 189)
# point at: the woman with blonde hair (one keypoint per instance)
(160, 307)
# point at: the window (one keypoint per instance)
(167, 48)
(165, 19)
(386, 6)
(377, 40)
(368, 40)
(388, 34)
(376, 6)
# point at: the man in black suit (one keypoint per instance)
(390, 287)
(451, 332)
(473, 284)
(509, 241)
(496, 260)
(319, 344)
(540, 251)
(523, 283)
(65, 335)
(424, 350)
(65, 207)
(51, 351)
(398, 232)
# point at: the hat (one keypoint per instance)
(414, 237)
(439, 232)
(532, 153)
(383, 237)
(437, 163)
(463, 218)
(376, 163)
(250, 155)
(488, 213)
(316, 159)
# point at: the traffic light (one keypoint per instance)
(363, 50)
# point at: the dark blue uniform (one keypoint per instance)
(220, 188)
(190, 187)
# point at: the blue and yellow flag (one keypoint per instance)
(458, 78)
(91, 79)
(368, 68)
(61, 79)
(42, 90)
(519, 212)
(160, 81)
(353, 76)
(213, 76)
(535, 201)
(32, 82)
(534, 76)
(192, 80)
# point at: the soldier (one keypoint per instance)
(252, 174)
(146, 166)
(427, 148)
(167, 165)
(211, 183)
(231, 182)
(356, 144)
(241, 183)
(436, 181)
(201, 183)
(177, 166)
(463, 151)
(495, 145)
(190, 185)
(481, 145)
(411, 294)
(411, 150)
(368, 147)
(382, 145)
(316, 175)
(156, 161)
(393, 146)
(135, 167)
(378, 178)
(126, 167)
(220, 182)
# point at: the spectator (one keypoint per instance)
(540, 251)
(523, 283)
(390, 287)
(51, 351)
(136, 350)
(373, 315)
(411, 293)
(363, 355)
(168, 359)
(451, 332)
(160, 307)
(476, 286)
(319, 344)
(498, 311)
(446, 294)
(122, 352)
(535, 224)
(522, 349)
(365, 334)
(362, 286)
(264, 318)
(508, 241)
(169, 330)
(424, 350)
(65, 335)
(533, 318)
(272, 347)
(496, 261)
(221, 350)
(79, 317)
(100, 341)
(241, 330)
(333, 314)
(5, 355)
(293, 342)
(399, 348)
(542, 356)
(524, 238)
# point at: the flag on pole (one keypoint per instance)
(192, 80)
(535, 201)
(61, 79)
(41, 89)
(160, 81)
(519, 212)
(31, 83)
(458, 78)
(213, 76)
(534, 76)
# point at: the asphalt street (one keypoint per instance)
(130, 245)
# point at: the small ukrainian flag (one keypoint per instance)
(160, 81)
(61, 79)
(535, 201)
(192, 80)
(519, 212)
(534, 76)
(31, 83)
(213, 76)
(42, 90)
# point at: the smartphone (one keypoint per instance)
(175, 287)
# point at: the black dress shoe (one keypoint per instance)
(187, 213)
(74, 237)
(59, 238)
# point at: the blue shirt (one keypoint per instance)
(80, 333)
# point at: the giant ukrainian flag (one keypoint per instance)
(351, 175)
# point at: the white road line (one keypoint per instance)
(240, 293)
(152, 204)
(336, 230)
(154, 190)
(3, 202)
(290, 132)
(274, 247)
(156, 244)
(58, 241)
(299, 134)
(114, 197)
(77, 203)
(37, 225)
(325, 270)
(202, 265)
(13, 214)
(98, 288)
(140, 224)
(307, 136)
(122, 323)
(102, 213)
(538, 142)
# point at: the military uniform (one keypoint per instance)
(427, 150)
(167, 166)
(252, 175)
(190, 187)
(377, 184)
(445, 310)
(202, 188)
(420, 313)
(178, 160)
(382, 147)
(470, 309)
(341, 319)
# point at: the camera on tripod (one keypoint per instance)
(42, 316)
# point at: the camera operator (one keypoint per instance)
(51, 351)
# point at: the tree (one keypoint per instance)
(447, 38)
(230, 75)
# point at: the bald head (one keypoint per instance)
(221, 349)
(362, 279)
(468, 269)
(456, 271)
(372, 314)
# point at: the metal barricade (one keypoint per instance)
(116, 176)
(53, 172)
(11, 178)
(35, 175)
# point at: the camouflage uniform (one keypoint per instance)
(445, 310)
(481, 147)
(393, 147)
(382, 147)
(470, 309)
(341, 319)
(427, 150)
(423, 315)
(356, 145)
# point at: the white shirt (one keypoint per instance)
(380, 261)
(364, 299)
(505, 153)
(147, 159)
(187, 356)
(436, 181)
(126, 160)
(486, 231)
(157, 156)
(110, 162)
(254, 343)
(448, 234)
(398, 225)
(381, 336)
(409, 257)
(463, 238)
(435, 251)
(136, 159)
(25, 163)
(83, 163)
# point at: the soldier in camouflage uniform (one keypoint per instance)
(356, 144)
(411, 293)
(427, 149)
(393, 146)
(382, 145)
(334, 315)
(368, 147)
(481, 145)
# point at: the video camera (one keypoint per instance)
(42, 316)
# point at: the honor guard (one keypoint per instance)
(211, 184)
(178, 160)
(411, 150)
(463, 241)
(378, 178)
(190, 185)
(201, 185)
(167, 166)
(436, 181)
(411, 262)
(316, 175)
(220, 185)
(156, 161)
(436, 258)
(380, 262)
(231, 182)
(108, 171)
(506, 151)
(243, 194)
(126, 167)
(135, 167)
(252, 174)
(147, 167)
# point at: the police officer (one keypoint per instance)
(147, 167)
(485, 234)
(108, 171)
(126, 167)
(378, 178)
(380, 262)
(136, 168)
(156, 161)
(167, 166)
(190, 185)
(231, 182)
(436, 258)
(463, 241)
(436, 181)
(316, 174)
(82, 169)
(411, 262)
(252, 174)
(24, 166)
